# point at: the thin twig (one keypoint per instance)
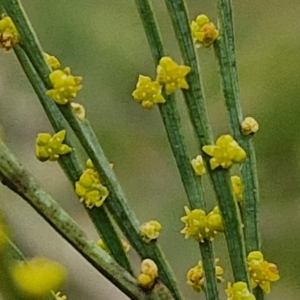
(197, 109)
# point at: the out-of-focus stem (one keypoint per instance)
(8, 257)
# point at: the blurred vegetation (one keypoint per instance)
(104, 42)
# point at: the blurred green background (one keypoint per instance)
(104, 42)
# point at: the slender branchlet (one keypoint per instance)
(199, 118)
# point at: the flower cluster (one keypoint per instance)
(148, 92)
(237, 187)
(89, 188)
(225, 153)
(170, 75)
(200, 226)
(239, 291)
(65, 86)
(51, 147)
(204, 32)
(249, 126)
(9, 35)
(262, 273)
(196, 277)
(38, 276)
(198, 165)
(103, 246)
(149, 273)
(150, 230)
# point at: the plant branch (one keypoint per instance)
(225, 53)
(197, 109)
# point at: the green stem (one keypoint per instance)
(259, 293)
(193, 96)
(225, 53)
(232, 223)
(72, 165)
(125, 218)
(171, 120)
(198, 114)
(211, 290)
(17, 178)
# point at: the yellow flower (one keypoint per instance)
(215, 220)
(149, 273)
(89, 164)
(239, 291)
(198, 165)
(9, 35)
(200, 226)
(65, 86)
(149, 267)
(103, 246)
(38, 276)
(79, 110)
(52, 61)
(262, 273)
(225, 153)
(148, 92)
(58, 296)
(172, 75)
(249, 126)
(150, 230)
(51, 147)
(196, 277)
(145, 281)
(90, 190)
(204, 32)
(219, 272)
